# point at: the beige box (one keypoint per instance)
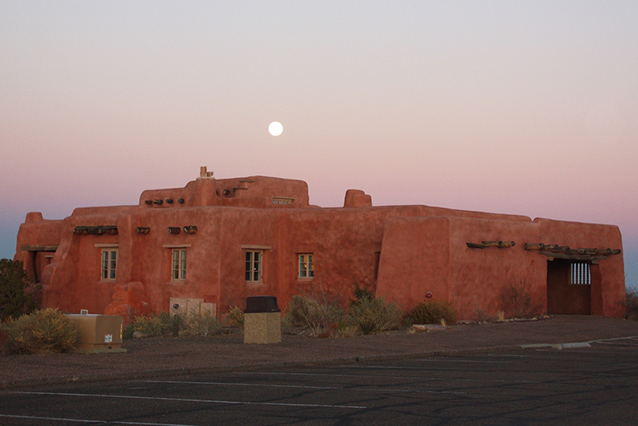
(209, 308)
(184, 306)
(98, 333)
(262, 327)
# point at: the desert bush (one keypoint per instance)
(202, 324)
(18, 293)
(319, 315)
(346, 327)
(375, 315)
(430, 312)
(149, 325)
(631, 304)
(235, 317)
(360, 294)
(165, 324)
(517, 302)
(43, 331)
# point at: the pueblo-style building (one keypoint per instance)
(218, 241)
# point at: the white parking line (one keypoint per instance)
(446, 379)
(210, 401)
(252, 385)
(111, 422)
(243, 384)
(473, 361)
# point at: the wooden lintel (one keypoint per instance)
(534, 246)
(581, 257)
(566, 250)
(499, 244)
(475, 245)
(96, 230)
(192, 229)
(31, 247)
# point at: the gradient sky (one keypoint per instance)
(500, 106)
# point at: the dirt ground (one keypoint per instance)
(186, 355)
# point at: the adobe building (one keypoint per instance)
(218, 241)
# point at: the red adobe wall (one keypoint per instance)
(480, 278)
(415, 260)
(399, 252)
(608, 277)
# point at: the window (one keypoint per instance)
(306, 267)
(178, 268)
(254, 260)
(580, 274)
(282, 200)
(109, 264)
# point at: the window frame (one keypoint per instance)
(109, 257)
(254, 274)
(179, 263)
(305, 266)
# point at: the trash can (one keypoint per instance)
(262, 320)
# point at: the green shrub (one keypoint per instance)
(41, 332)
(430, 312)
(631, 304)
(18, 294)
(374, 315)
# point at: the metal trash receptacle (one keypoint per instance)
(262, 320)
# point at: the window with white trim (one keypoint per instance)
(109, 263)
(580, 274)
(178, 264)
(306, 267)
(254, 262)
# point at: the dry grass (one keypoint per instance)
(43, 331)
(431, 312)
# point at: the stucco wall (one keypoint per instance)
(401, 253)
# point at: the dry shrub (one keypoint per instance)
(164, 324)
(360, 293)
(148, 325)
(631, 304)
(431, 312)
(318, 313)
(374, 315)
(235, 317)
(517, 302)
(201, 324)
(43, 331)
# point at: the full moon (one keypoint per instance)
(275, 128)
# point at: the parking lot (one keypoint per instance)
(595, 385)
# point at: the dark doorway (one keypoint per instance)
(568, 287)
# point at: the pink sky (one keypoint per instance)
(516, 107)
